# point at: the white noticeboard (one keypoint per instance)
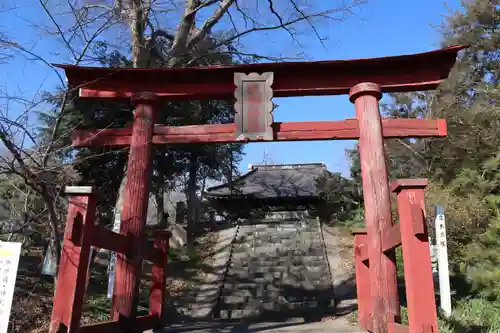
(112, 259)
(442, 259)
(9, 260)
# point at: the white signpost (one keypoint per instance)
(9, 260)
(442, 259)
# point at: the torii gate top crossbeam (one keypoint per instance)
(416, 72)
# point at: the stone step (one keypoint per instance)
(263, 295)
(289, 263)
(238, 314)
(234, 287)
(279, 279)
(275, 277)
(243, 303)
(276, 266)
(277, 272)
(242, 310)
(279, 255)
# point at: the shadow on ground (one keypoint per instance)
(291, 325)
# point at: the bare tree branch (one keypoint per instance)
(271, 8)
(210, 23)
(22, 49)
(43, 4)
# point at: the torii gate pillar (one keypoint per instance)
(135, 205)
(383, 279)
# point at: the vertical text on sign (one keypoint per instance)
(9, 260)
(442, 258)
(253, 106)
(254, 98)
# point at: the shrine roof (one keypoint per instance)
(422, 71)
(274, 181)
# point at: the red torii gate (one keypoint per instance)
(364, 80)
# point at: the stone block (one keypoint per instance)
(237, 314)
(268, 306)
(225, 314)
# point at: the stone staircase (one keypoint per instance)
(277, 267)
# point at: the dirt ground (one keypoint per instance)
(339, 325)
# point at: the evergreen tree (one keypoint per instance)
(483, 260)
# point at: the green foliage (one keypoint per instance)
(189, 254)
(355, 166)
(483, 262)
(468, 316)
(341, 198)
(354, 219)
(472, 315)
(471, 201)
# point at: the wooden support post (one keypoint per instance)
(422, 314)
(383, 281)
(159, 275)
(362, 280)
(135, 204)
(72, 276)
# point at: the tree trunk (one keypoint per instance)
(184, 29)
(119, 198)
(203, 184)
(229, 175)
(191, 199)
(55, 243)
(159, 196)
(138, 15)
(54, 228)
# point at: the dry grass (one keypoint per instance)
(346, 240)
(188, 265)
(347, 248)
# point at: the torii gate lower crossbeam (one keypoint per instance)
(393, 74)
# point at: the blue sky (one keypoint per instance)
(381, 28)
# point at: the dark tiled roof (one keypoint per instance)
(274, 181)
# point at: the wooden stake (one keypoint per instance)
(72, 276)
(159, 276)
(422, 314)
(362, 280)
